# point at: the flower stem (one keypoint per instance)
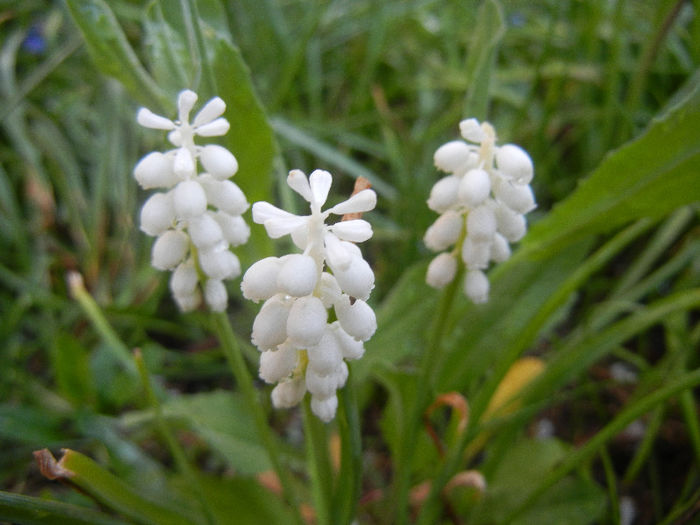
(318, 464)
(423, 392)
(166, 433)
(234, 356)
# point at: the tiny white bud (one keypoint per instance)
(157, 214)
(184, 279)
(307, 321)
(189, 199)
(357, 280)
(329, 290)
(453, 157)
(215, 295)
(298, 275)
(350, 347)
(186, 100)
(515, 163)
(476, 253)
(204, 231)
(260, 280)
(270, 325)
(188, 302)
(211, 110)
(324, 408)
(219, 263)
(472, 130)
(321, 386)
(275, 365)
(183, 164)
(511, 225)
(474, 187)
(441, 270)
(476, 286)
(326, 356)
(356, 230)
(518, 197)
(169, 249)
(481, 223)
(234, 228)
(500, 249)
(288, 393)
(357, 319)
(148, 119)
(444, 232)
(214, 128)
(444, 194)
(155, 170)
(218, 161)
(225, 195)
(361, 202)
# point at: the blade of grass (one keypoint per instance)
(27, 510)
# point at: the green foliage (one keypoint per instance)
(603, 95)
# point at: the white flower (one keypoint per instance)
(300, 349)
(482, 201)
(201, 211)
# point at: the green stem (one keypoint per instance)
(423, 392)
(243, 377)
(183, 465)
(318, 464)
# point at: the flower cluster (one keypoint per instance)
(198, 218)
(482, 205)
(302, 348)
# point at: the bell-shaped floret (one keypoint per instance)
(321, 386)
(225, 195)
(339, 254)
(350, 347)
(189, 199)
(444, 194)
(444, 232)
(453, 157)
(361, 202)
(218, 161)
(215, 295)
(476, 286)
(234, 228)
(155, 170)
(357, 280)
(474, 188)
(183, 163)
(472, 130)
(276, 365)
(518, 197)
(157, 214)
(324, 408)
(187, 303)
(270, 325)
(307, 321)
(169, 249)
(441, 270)
(260, 280)
(511, 225)
(298, 275)
(357, 318)
(288, 393)
(326, 356)
(184, 279)
(515, 163)
(500, 249)
(476, 253)
(481, 223)
(220, 262)
(329, 291)
(205, 231)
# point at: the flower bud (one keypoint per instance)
(183, 164)
(453, 156)
(260, 280)
(288, 393)
(157, 214)
(275, 365)
(234, 228)
(322, 386)
(518, 197)
(329, 290)
(444, 232)
(215, 295)
(324, 408)
(211, 111)
(476, 286)
(307, 321)
(225, 195)
(515, 163)
(298, 275)
(169, 249)
(500, 249)
(270, 325)
(357, 280)
(219, 263)
(472, 130)
(357, 319)
(441, 270)
(326, 356)
(218, 161)
(155, 170)
(476, 253)
(188, 302)
(474, 188)
(184, 279)
(350, 347)
(481, 224)
(511, 225)
(205, 232)
(189, 199)
(443, 194)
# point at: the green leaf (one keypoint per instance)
(111, 51)
(26, 510)
(71, 365)
(647, 177)
(483, 48)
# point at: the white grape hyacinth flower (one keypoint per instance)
(302, 347)
(482, 204)
(198, 217)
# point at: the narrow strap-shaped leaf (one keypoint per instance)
(26, 510)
